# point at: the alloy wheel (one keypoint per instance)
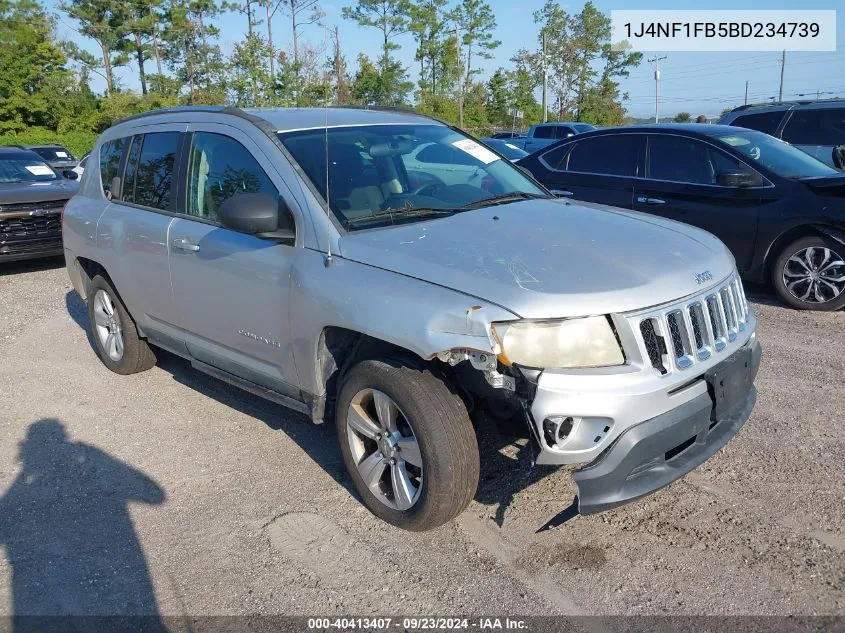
(107, 325)
(384, 449)
(815, 274)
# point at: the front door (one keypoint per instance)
(595, 169)
(231, 289)
(680, 184)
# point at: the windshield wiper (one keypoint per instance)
(503, 198)
(400, 213)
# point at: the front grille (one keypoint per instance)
(32, 206)
(700, 327)
(29, 228)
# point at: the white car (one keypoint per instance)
(80, 166)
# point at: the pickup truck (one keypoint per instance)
(544, 134)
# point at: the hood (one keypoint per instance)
(550, 258)
(22, 192)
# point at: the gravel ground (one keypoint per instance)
(168, 492)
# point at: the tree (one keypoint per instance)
(477, 22)
(388, 16)
(339, 75)
(250, 79)
(191, 51)
(379, 86)
(301, 14)
(498, 99)
(683, 117)
(33, 76)
(105, 23)
(141, 26)
(559, 55)
(428, 24)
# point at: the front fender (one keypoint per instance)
(415, 315)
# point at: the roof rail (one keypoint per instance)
(791, 102)
(176, 109)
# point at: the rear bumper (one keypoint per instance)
(654, 453)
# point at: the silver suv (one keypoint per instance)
(385, 270)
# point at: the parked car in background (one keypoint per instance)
(32, 196)
(544, 134)
(780, 211)
(80, 166)
(58, 157)
(290, 253)
(817, 127)
(506, 135)
(505, 148)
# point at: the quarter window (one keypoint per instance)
(681, 159)
(606, 155)
(220, 168)
(544, 131)
(762, 122)
(150, 183)
(816, 127)
(110, 155)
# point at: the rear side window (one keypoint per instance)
(682, 159)
(220, 168)
(563, 132)
(149, 170)
(816, 127)
(556, 158)
(110, 155)
(762, 122)
(606, 155)
(544, 131)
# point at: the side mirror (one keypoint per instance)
(738, 179)
(839, 157)
(250, 213)
(70, 174)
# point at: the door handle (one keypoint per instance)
(561, 192)
(648, 200)
(185, 245)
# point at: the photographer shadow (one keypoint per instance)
(76, 561)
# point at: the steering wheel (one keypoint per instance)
(427, 189)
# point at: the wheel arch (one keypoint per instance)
(795, 233)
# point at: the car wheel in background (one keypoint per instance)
(408, 444)
(809, 274)
(115, 335)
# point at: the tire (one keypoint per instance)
(816, 256)
(425, 410)
(125, 353)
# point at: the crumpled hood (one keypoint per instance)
(19, 192)
(550, 258)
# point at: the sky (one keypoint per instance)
(698, 83)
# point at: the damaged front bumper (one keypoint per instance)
(647, 454)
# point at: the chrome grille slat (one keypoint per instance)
(680, 336)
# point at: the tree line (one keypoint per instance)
(45, 82)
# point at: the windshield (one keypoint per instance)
(24, 167)
(780, 157)
(53, 153)
(400, 173)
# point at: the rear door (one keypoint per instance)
(596, 169)
(136, 224)
(816, 131)
(231, 289)
(680, 184)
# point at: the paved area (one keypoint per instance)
(169, 492)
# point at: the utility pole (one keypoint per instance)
(782, 65)
(460, 83)
(746, 92)
(656, 59)
(545, 81)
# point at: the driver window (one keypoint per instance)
(219, 168)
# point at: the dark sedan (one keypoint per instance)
(508, 150)
(32, 196)
(780, 211)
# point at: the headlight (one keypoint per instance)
(568, 343)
